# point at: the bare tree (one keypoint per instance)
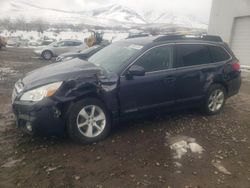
(6, 23)
(20, 23)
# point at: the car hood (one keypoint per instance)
(68, 70)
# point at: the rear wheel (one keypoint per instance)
(215, 99)
(88, 121)
(47, 55)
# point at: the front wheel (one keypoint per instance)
(47, 55)
(215, 99)
(88, 121)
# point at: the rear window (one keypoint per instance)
(192, 54)
(218, 54)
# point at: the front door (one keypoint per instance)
(155, 88)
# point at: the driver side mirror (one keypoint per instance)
(136, 70)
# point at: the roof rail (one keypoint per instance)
(169, 37)
(211, 38)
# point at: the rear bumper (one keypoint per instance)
(234, 85)
(43, 118)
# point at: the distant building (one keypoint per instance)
(231, 20)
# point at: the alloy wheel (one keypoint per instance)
(47, 55)
(216, 100)
(91, 121)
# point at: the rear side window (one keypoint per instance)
(192, 54)
(156, 59)
(218, 54)
(77, 43)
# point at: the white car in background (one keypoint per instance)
(57, 48)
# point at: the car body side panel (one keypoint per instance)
(144, 92)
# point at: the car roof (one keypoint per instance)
(140, 40)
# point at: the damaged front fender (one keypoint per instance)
(99, 85)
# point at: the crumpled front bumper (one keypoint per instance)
(40, 118)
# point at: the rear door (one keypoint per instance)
(78, 46)
(62, 47)
(154, 89)
(193, 71)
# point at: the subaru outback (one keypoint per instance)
(133, 76)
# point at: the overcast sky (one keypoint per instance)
(200, 8)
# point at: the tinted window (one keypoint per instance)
(192, 54)
(218, 54)
(156, 59)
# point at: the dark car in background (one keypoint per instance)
(123, 80)
(83, 54)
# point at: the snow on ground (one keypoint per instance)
(217, 164)
(7, 72)
(182, 145)
(33, 37)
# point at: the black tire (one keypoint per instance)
(74, 132)
(212, 89)
(47, 55)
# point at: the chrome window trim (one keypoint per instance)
(122, 74)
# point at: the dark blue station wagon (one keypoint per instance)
(126, 78)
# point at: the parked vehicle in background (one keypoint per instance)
(57, 48)
(3, 42)
(47, 42)
(83, 54)
(41, 42)
(123, 80)
(17, 42)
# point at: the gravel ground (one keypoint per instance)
(181, 149)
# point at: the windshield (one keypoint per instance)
(113, 56)
(53, 43)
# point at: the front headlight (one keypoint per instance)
(41, 92)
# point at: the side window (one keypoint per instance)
(191, 54)
(158, 58)
(68, 43)
(218, 54)
(77, 43)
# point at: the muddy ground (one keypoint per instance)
(137, 154)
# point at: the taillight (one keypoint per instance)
(236, 65)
